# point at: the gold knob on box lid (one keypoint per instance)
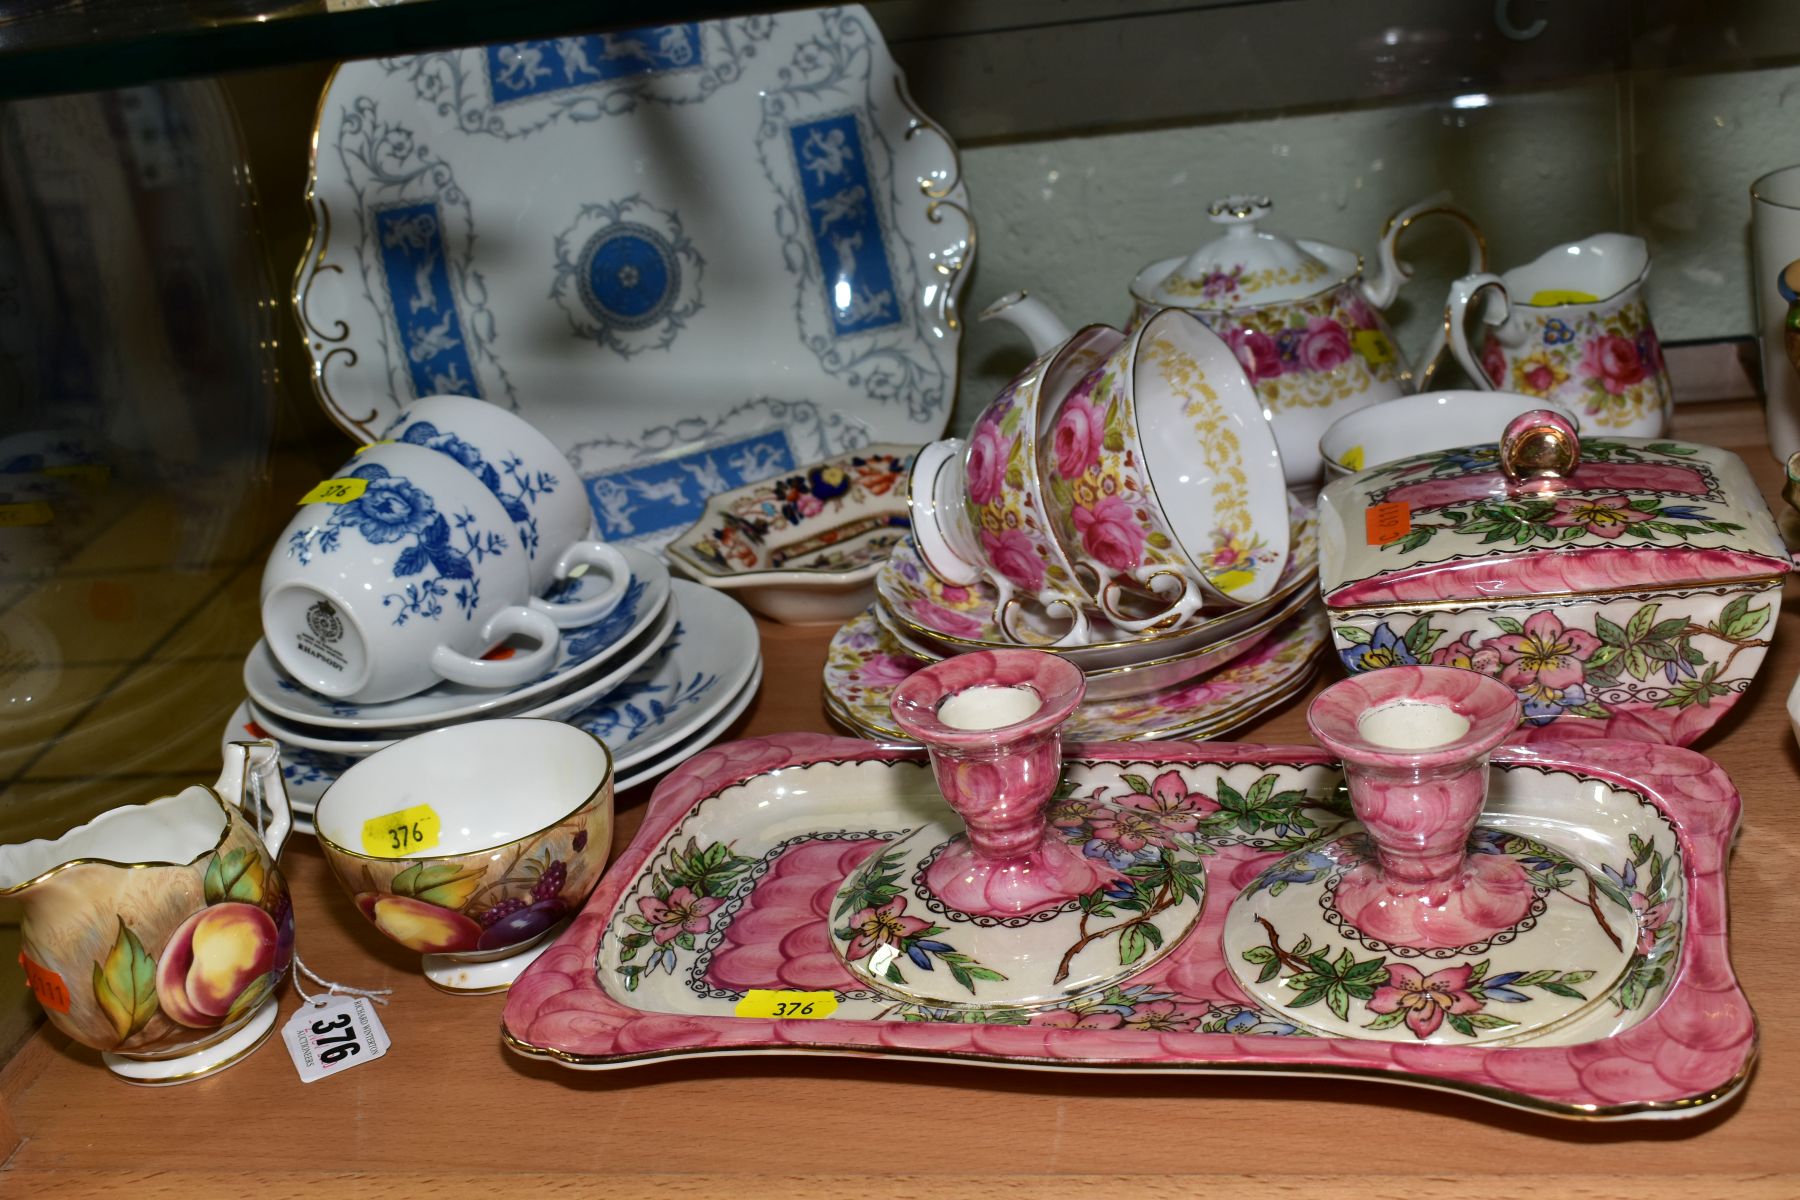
(1540, 444)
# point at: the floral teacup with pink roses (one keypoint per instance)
(977, 509)
(1572, 327)
(1162, 479)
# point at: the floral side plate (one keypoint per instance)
(726, 888)
(952, 619)
(865, 661)
(805, 547)
(525, 223)
(584, 651)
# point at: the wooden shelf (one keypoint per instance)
(450, 1112)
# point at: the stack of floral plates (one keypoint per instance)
(657, 679)
(1196, 680)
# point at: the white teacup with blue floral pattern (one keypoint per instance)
(408, 577)
(537, 486)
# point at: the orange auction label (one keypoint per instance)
(1388, 522)
(46, 985)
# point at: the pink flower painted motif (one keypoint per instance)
(988, 452)
(1651, 917)
(1613, 362)
(1073, 812)
(683, 912)
(1128, 833)
(1014, 556)
(1493, 361)
(1110, 532)
(1650, 350)
(955, 595)
(1257, 352)
(1464, 654)
(1164, 1016)
(1325, 346)
(885, 670)
(882, 925)
(1069, 1018)
(1425, 999)
(1171, 805)
(944, 620)
(1546, 655)
(1602, 516)
(1079, 432)
(809, 505)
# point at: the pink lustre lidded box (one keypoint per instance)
(1622, 587)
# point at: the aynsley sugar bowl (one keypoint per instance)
(159, 933)
(1622, 587)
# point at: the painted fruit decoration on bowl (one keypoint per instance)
(439, 907)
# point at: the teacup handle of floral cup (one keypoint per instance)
(1192, 599)
(1077, 634)
(1390, 273)
(937, 502)
(503, 672)
(1463, 293)
(586, 611)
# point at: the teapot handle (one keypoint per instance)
(262, 784)
(1463, 293)
(1391, 273)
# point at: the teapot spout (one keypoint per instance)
(1029, 316)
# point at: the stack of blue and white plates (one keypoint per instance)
(657, 679)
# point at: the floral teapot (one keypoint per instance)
(159, 933)
(1304, 323)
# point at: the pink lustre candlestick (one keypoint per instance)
(1035, 895)
(1446, 929)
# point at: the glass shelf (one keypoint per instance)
(50, 46)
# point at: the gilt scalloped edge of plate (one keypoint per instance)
(820, 99)
(1691, 1054)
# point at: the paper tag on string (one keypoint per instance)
(330, 1035)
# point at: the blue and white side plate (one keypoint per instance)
(585, 651)
(695, 256)
(698, 673)
(693, 740)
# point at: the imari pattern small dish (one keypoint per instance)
(724, 897)
(521, 223)
(805, 547)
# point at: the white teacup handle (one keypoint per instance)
(1078, 633)
(503, 672)
(585, 612)
(1463, 293)
(1191, 600)
(263, 784)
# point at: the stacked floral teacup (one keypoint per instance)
(1122, 503)
(448, 572)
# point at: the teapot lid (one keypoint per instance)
(1246, 267)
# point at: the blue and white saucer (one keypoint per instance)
(584, 651)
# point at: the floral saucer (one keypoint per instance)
(584, 650)
(524, 223)
(803, 548)
(865, 662)
(950, 619)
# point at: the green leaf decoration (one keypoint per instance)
(234, 875)
(125, 984)
(446, 885)
(1387, 1020)
(1138, 784)
(1741, 621)
(1159, 539)
(1114, 441)
(260, 989)
(1640, 623)
(1353, 635)
(1421, 636)
(1132, 945)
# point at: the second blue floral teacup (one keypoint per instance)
(401, 572)
(537, 486)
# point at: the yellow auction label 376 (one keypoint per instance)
(798, 1006)
(336, 491)
(400, 833)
